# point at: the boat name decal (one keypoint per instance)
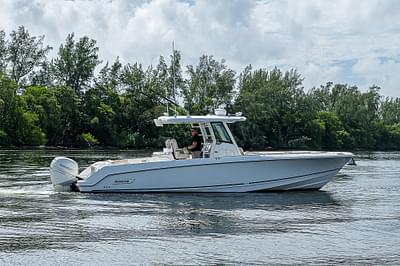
(123, 181)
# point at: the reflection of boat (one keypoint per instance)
(222, 168)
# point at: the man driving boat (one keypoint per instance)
(195, 147)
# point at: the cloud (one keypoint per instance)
(340, 41)
(383, 72)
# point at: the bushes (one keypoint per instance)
(86, 140)
(4, 139)
(64, 102)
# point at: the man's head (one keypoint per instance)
(194, 131)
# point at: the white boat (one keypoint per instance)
(224, 167)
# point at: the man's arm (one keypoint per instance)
(194, 145)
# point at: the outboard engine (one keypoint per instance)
(63, 174)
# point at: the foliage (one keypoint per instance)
(210, 84)
(24, 53)
(3, 51)
(390, 111)
(76, 62)
(89, 139)
(4, 139)
(274, 104)
(65, 101)
(19, 125)
(43, 102)
(330, 130)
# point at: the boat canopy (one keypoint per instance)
(166, 120)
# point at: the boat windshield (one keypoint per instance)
(221, 135)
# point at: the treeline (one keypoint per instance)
(68, 101)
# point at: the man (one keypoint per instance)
(195, 148)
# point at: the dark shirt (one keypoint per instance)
(197, 139)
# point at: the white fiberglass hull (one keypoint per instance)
(279, 171)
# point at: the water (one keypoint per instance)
(354, 220)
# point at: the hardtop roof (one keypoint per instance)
(166, 120)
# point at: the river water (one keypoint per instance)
(353, 220)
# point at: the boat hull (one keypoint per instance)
(230, 174)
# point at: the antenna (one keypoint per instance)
(173, 101)
(166, 93)
(173, 74)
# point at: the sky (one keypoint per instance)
(355, 42)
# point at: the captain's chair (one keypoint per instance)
(178, 153)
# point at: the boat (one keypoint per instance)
(223, 166)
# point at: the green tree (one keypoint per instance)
(141, 101)
(24, 53)
(27, 130)
(75, 63)
(390, 111)
(64, 103)
(43, 102)
(165, 82)
(43, 76)
(329, 132)
(71, 115)
(175, 80)
(8, 108)
(99, 109)
(18, 126)
(110, 76)
(357, 111)
(3, 52)
(103, 105)
(275, 106)
(209, 84)
(321, 97)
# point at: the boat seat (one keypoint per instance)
(178, 153)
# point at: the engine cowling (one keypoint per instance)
(63, 174)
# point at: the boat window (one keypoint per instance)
(220, 132)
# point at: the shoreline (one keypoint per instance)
(112, 148)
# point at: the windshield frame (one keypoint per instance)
(221, 133)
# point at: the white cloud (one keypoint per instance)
(319, 74)
(380, 72)
(314, 36)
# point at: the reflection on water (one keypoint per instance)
(353, 220)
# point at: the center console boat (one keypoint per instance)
(223, 166)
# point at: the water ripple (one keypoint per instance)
(353, 220)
